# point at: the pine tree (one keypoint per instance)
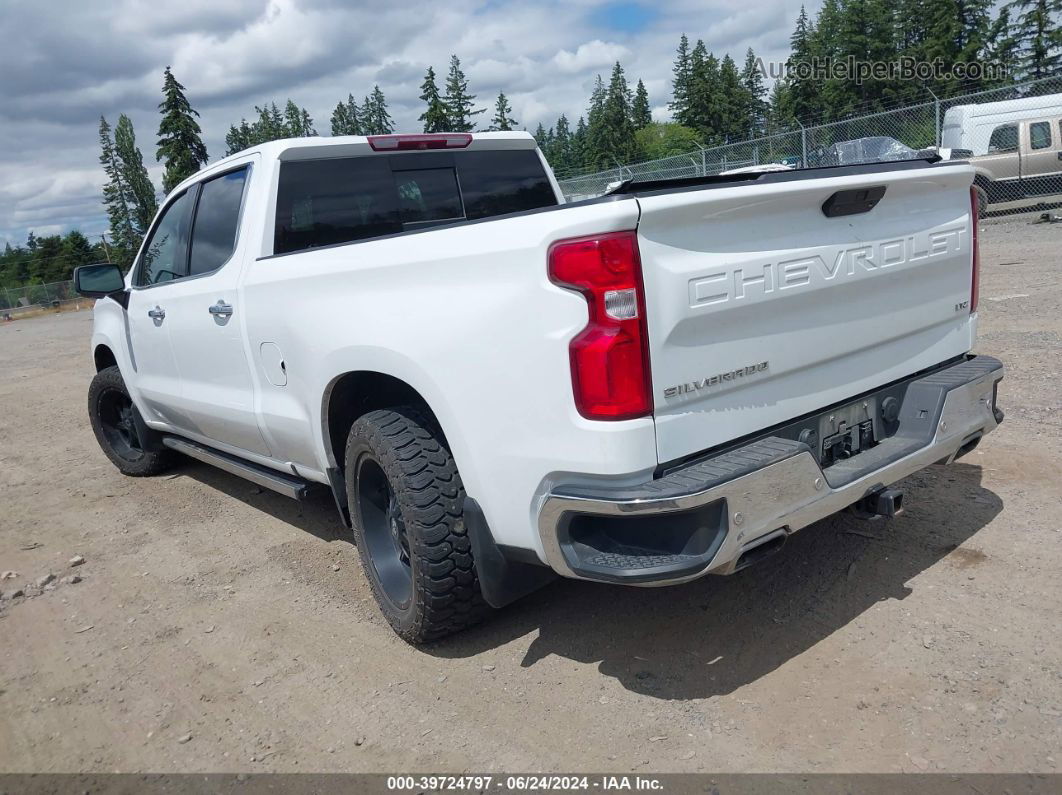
(561, 155)
(375, 118)
(956, 32)
(297, 122)
(755, 93)
(1038, 32)
(459, 103)
(435, 116)
(706, 111)
(180, 146)
(75, 251)
(641, 113)
(135, 175)
(612, 139)
(803, 92)
(1001, 47)
(503, 120)
(579, 158)
(347, 118)
(270, 126)
(116, 198)
(238, 138)
(733, 125)
(681, 83)
(780, 116)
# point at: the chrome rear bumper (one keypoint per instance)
(741, 499)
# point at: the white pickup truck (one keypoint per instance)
(499, 387)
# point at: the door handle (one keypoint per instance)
(158, 313)
(221, 309)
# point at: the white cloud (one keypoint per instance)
(594, 55)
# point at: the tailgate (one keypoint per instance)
(761, 308)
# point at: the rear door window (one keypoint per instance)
(342, 200)
(1039, 135)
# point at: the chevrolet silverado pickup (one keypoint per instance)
(498, 387)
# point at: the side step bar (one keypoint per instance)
(288, 485)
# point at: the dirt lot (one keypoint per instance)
(210, 610)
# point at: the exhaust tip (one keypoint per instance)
(761, 548)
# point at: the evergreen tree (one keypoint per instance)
(459, 103)
(180, 146)
(272, 125)
(561, 156)
(1001, 47)
(706, 107)
(297, 122)
(579, 155)
(347, 118)
(238, 138)
(641, 113)
(780, 115)
(597, 102)
(803, 92)
(503, 120)
(74, 251)
(1038, 33)
(375, 118)
(611, 134)
(435, 116)
(733, 123)
(956, 32)
(46, 254)
(135, 175)
(681, 83)
(755, 93)
(116, 198)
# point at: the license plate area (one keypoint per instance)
(847, 431)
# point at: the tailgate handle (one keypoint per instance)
(853, 202)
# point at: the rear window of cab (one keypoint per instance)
(342, 200)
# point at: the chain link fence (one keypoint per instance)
(1012, 136)
(20, 301)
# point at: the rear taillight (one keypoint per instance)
(610, 357)
(975, 278)
(396, 143)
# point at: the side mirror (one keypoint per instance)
(98, 281)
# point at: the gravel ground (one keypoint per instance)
(211, 629)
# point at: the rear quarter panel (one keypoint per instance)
(468, 317)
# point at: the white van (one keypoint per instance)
(971, 126)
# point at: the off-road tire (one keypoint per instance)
(108, 386)
(426, 489)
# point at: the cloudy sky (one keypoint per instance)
(66, 62)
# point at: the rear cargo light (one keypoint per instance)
(975, 279)
(610, 356)
(395, 143)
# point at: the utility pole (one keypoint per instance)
(105, 247)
